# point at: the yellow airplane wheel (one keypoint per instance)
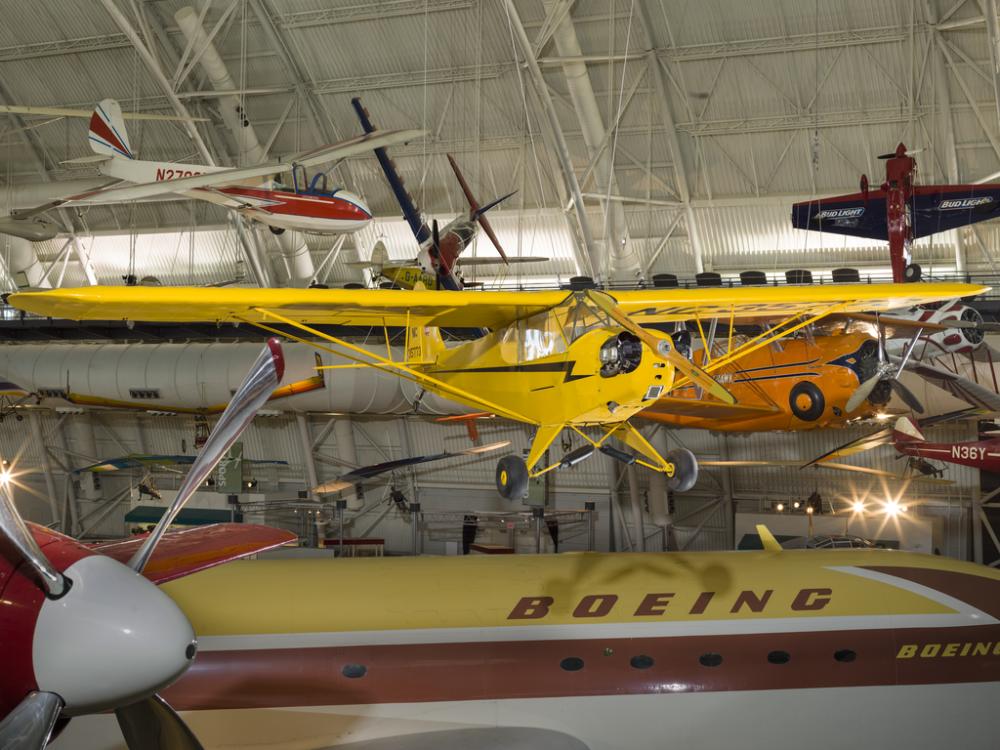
(512, 478)
(685, 469)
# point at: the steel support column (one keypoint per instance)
(307, 452)
(347, 451)
(588, 258)
(670, 127)
(944, 125)
(636, 505)
(35, 422)
(618, 254)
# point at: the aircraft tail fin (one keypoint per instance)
(905, 431)
(423, 344)
(107, 135)
(411, 213)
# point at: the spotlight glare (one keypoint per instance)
(780, 507)
(892, 508)
(810, 510)
(796, 504)
(858, 507)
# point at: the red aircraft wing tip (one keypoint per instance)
(277, 356)
(183, 552)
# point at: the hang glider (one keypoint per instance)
(774, 463)
(884, 436)
(357, 476)
(487, 309)
(145, 460)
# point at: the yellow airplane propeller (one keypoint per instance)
(661, 347)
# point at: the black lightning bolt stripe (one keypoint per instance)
(565, 367)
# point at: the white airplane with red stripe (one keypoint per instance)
(255, 192)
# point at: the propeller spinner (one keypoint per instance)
(104, 638)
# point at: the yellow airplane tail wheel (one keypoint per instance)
(685, 470)
(512, 478)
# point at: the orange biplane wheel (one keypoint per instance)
(512, 478)
(806, 401)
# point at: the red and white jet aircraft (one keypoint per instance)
(305, 206)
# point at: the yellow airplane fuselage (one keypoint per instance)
(550, 382)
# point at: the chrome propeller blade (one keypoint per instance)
(863, 391)
(257, 387)
(153, 725)
(17, 544)
(907, 396)
(30, 724)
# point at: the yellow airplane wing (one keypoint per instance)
(484, 309)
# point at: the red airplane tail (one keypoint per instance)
(905, 431)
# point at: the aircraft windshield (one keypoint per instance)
(551, 332)
(581, 316)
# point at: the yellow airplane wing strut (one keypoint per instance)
(763, 339)
(370, 359)
(661, 347)
(629, 435)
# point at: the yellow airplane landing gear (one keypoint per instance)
(512, 478)
(685, 467)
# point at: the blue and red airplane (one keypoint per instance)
(899, 211)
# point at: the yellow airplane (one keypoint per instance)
(704, 650)
(551, 359)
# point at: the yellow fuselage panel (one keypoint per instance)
(563, 387)
(408, 277)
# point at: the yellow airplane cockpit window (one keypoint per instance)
(533, 338)
(580, 316)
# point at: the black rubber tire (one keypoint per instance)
(276, 230)
(685, 470)
(512, 478)
(912, 273)
(817, 402)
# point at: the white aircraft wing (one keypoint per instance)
(469, 262)
(342, 150)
